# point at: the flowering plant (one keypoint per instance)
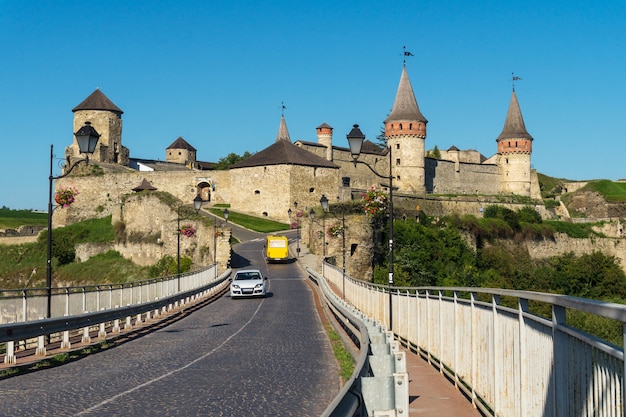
(65, 196)
(320, 234)
(374, 201)
(335, 230)
(188, 230)
(299, 213)
(294, 225)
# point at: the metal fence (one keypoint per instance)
(509, 360)
(31, 304)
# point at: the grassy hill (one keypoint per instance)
(12, 219)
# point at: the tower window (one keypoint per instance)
(400, 126)
(410, 126)
(397, 146)
(398, 161)
(257, 192)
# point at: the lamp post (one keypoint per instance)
(325, 207)
(355, 140)
(197, 204)
(87, 138)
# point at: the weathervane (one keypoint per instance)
(405, 53)
(282, 106)
(513, 79)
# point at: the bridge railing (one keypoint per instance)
(508, 360)
(31, 303)
(109, 318)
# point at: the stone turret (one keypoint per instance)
(514, 151)
(181, 152)
(106, 118)
(325, 138)
(405, 129)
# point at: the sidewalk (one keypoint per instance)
(430, 393)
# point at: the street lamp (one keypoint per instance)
(197, 204)
(324, 203)
(87, 138)
(355, 140)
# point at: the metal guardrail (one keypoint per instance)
(31, 303)
(509, 361)
(10, 333)
(379, 384)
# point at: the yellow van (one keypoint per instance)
(276, 249)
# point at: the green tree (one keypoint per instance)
(231, 159)
(381, 138)
(434, 153)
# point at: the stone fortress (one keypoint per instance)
(271, 180)
(294, 175)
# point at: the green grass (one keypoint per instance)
(110, 267)
(344, 359)
(613, 192)
(12, 219)
(250, 222)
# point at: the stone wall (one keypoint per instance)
(461, 205)
(102, 195)
(563, 244)
(448, 177)
(358, 241)
(150, 233)
(269, 191)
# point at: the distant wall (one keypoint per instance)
(448, 177)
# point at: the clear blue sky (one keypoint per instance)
(216, 72)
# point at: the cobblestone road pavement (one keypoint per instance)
(244, 357)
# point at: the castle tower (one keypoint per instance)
(106, 118)
(515, 146)
(325, 138)
(405, 129)
(181, 152)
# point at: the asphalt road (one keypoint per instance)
(243, 357)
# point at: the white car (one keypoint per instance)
(248, 283)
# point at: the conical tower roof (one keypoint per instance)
(98, 101)
(405, 106)
(283, 133)
(181, 143)
(514, 127)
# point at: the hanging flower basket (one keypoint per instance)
(335, 230)
(65, 196)
(374, 201)
(188, 230)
